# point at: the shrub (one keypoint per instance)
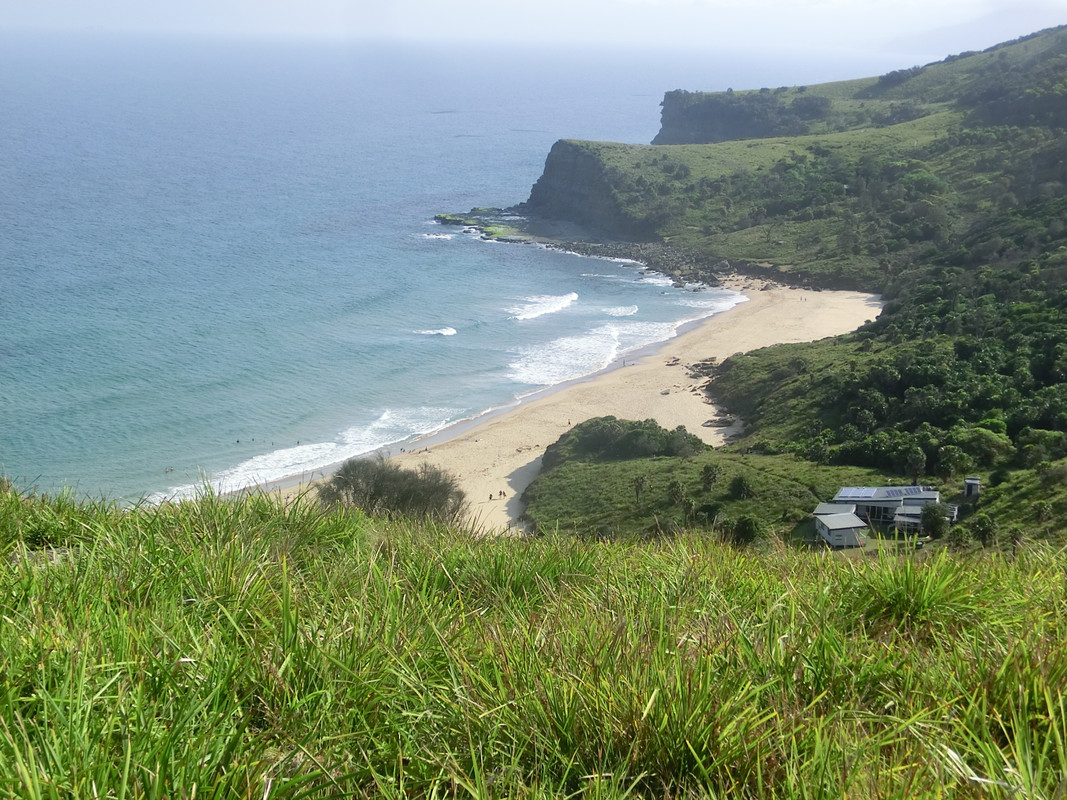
(609, 438)
(381, 488)
(746, 530)
(742, 488)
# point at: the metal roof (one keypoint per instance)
(838, 522)
(880, 492)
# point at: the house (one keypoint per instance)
(841, 530)
(889, 505)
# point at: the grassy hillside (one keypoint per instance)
(241, 649)
(877, 178)
(940, 187)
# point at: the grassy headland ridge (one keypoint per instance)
(246, 648)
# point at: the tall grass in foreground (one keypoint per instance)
(238, 648)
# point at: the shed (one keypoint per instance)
(841, 530)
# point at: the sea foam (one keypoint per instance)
(437, 332)
(539, 305)
(392, 427)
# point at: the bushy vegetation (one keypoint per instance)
(609, 438)
(242, 648)
(382, 488)
(594, 490)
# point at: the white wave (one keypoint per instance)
(437, 332)
(621, 311)
(573, 357)
(439, 236)
(396, 425)
(655, 279)
(713, 302)
(539, 305)
(392, 427)
(565, 358)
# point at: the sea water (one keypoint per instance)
(220, 266)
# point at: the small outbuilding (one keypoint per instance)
(841, 530)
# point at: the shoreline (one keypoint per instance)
(500, 450)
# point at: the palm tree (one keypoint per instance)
(640, 483)
(708, 475)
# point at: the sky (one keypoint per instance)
(905, 32)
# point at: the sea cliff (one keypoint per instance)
(576, 186)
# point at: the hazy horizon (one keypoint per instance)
(854, 31)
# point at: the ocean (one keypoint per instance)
(220, 266)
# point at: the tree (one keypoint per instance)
(984, 529)
(675, 491)
(915, 463)
(934, 520)
(688, 510)
(1015, 534)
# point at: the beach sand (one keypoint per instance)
(501, 452)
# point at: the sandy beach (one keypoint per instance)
(501, 452)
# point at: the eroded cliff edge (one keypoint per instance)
(577, 186)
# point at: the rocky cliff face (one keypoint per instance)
(703, 117)
(575, 187)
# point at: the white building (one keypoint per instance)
(841, 530)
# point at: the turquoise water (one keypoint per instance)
(220, 265)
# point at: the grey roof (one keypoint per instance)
(883, 492)
(922, 498)
(840, 522)
(834, 508)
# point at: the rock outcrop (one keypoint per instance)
(575, 187)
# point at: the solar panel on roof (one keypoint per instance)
(913, 490)
(894, 493)
(856, 492)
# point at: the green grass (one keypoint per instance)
(236, 648)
